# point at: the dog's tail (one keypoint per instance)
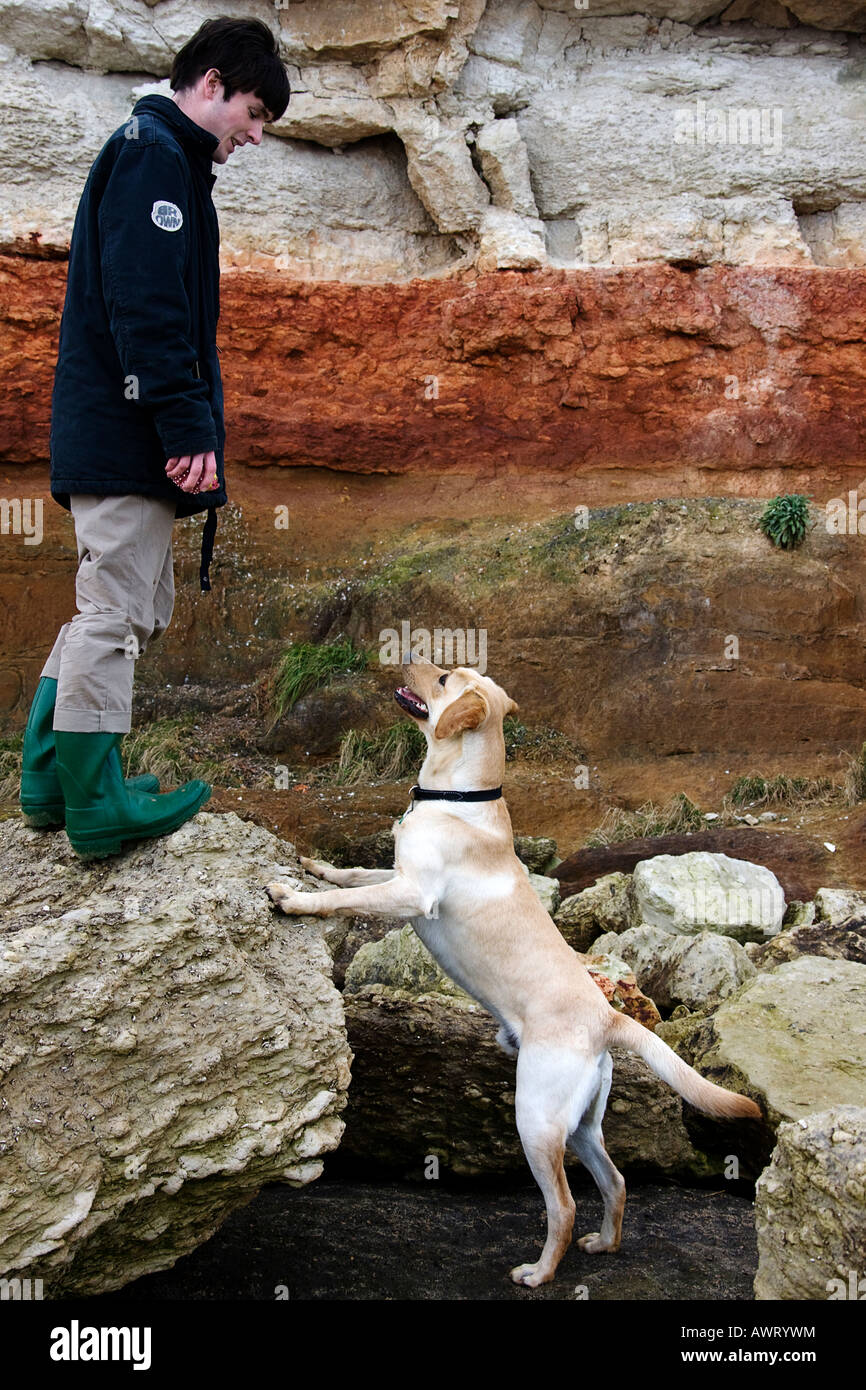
(704, 1095)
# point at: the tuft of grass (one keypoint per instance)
(854, 784)
(10, 766)
(167, 748)
(540, 744)
(677, 816)
(389, 755)
(785, 520)
(306, 666)
(755, 790)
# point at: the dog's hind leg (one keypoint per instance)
(587, 1142)
(554, 1084)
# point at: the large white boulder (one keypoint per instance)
(699, 891)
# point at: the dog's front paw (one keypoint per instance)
(529, 1276)
(285, 898)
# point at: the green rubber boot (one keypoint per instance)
(41, 794)
(101, 811)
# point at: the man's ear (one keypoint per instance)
(467, 712)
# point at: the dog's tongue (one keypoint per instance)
(406, 696)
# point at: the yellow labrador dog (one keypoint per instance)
(457, 877)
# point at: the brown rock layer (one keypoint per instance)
(722, 367)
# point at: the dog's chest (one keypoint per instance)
(430, 841)
(437, 933)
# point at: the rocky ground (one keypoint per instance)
(345, 1239)
(431, 1093)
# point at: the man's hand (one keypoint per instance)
(194, 472)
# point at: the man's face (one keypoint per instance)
(235, 122)
(238, 121)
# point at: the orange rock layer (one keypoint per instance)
(724, 368)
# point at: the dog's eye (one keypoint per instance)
(443, 679)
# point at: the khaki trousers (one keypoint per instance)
(124, 592)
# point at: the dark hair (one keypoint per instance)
(244, 51)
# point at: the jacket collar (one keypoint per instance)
(198, 142)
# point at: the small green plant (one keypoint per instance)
(785, 520)
(307, 666)
(677, 816)
(389, 755)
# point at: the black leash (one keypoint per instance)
(207, 539)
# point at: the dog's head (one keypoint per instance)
(447, 704)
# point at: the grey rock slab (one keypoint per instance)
(168, 1043)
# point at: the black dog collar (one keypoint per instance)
(420, 794)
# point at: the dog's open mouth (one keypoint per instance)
(411, 703)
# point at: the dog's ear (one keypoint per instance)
(467, 712)
(512, 707)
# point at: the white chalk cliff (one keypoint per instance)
(425, 137)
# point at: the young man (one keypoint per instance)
(137, 429)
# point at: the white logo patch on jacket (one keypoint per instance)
(168, 216)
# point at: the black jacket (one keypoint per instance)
(138, 378)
